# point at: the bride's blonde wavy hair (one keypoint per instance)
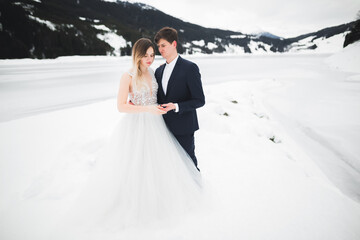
(138, 52)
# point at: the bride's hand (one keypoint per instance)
(157, 110)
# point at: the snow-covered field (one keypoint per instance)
(282, 163)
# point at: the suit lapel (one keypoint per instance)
(173, 75)
(161, 90)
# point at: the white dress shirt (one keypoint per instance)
(169, 67)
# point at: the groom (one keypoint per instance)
(180, 91)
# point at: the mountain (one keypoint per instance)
(267, 34)
(354, 34)
(52, 28)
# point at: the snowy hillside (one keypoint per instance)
(96, 27)
(319, 45)
(347, 60)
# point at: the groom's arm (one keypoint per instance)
(196, 91)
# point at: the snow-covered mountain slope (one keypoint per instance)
(39, 29)
(315, 44)
(347, 60)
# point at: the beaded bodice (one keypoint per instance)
(145, 96)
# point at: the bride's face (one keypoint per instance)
(148, 59)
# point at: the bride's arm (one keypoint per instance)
(122, 97)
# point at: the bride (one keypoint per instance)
(143, 174)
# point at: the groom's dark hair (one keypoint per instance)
(167, 33)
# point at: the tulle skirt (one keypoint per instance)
(142, 176)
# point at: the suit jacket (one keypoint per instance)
(185, 89)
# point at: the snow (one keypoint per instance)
(141, 5)
(102, 27)
(186, 45)
(68, 25)
(238, 36)
(256, 49)
(282, 163)
(146, 7)
(42, 85)
(200, 43)
(211, 45)
(49, 24)
(324, 45)
(196, 50)
(27, 7)
(347, 60)
(114, 40)
(234, 49)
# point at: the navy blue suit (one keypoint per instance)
(185, 89)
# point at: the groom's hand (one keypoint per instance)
(168, 106)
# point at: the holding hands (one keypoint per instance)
(156, 109)
(168, 106)
(159, 109)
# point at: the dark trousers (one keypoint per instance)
(188, 143)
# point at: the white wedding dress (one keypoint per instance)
(142, 176)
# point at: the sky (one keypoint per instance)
(283, 18)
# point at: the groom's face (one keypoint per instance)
(166, 49)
